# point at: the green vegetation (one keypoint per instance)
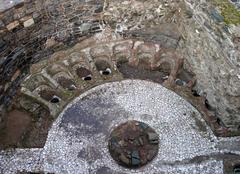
(229, 12)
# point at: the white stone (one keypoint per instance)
(28, 23)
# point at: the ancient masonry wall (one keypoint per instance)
(33, 30)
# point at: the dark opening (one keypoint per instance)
(106, 72)
(1, 90)
(218, 121)
(208, 106)
(195, 93)
(55, 100)
(88, 78)
(236, 169)
(180, 82)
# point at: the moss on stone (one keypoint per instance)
(229, 12)
(67, 94)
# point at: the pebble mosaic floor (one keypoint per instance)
(78, 140)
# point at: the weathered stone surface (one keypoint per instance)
(28, 22)
(167, 35)
(28, 26)
(12, 25)
(217, 16)
(17, 125)
(77, 140)
(204, 69)
(133, 144)
(215, 61)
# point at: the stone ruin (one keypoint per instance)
(73, 72)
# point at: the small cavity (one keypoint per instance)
(195, 93)
(83, 73)
(106, 72)
(208, 106)
(88, 78)
(180, 82)
(236, 169)
(55, 99)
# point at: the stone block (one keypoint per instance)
(12, 25)
(135, 162)
(152, 136)
(124, 159)
(28, 23)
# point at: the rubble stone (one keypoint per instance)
(124, 144)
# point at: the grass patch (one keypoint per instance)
(229, 11)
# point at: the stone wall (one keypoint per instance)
(33, 30)
(212, 48)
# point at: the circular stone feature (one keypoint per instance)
(133, 144)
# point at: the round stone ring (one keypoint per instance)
(133, 144)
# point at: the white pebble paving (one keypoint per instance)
(114, 103)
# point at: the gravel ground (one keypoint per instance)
(77, 141)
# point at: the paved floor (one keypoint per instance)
(77, 142)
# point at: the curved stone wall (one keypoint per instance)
(33, 30)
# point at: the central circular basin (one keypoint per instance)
(133, 144)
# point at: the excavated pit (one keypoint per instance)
(53, 51)
(133, 144)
